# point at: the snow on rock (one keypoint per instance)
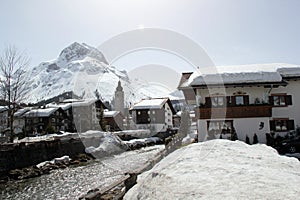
(83, 69)
(139, 133)
(220, 169)
(54, 161)
(108, 144)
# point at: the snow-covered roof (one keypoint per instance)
(71, 100)
(85, 102)
(150, 104)
(289, 72)
(20, 112)
(111, 113)
(64, 106)
(3, 108)
(41, 112)
(231, 78)
(220, 169)
(253, 73)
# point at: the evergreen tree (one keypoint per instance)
(255, 140)
(49, 129)
(234, 135)
(247, 139)
(102, 121)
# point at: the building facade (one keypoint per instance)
(255, 99)
(154, 114)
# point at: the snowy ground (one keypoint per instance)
(221, 169)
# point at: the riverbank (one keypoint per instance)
(74, 182)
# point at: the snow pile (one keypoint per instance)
(54, 161)
(106, 143)
(139, 133)
(149, 140)
(221, 169)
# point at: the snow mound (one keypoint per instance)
(106, 143)
(220, 169)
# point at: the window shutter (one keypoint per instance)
(272, 125)
(228, 101)
(271, 100)
(291, 125)
(246, 100)
(208, 102)
(288, 100)
(233, 100)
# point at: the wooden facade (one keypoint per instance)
(245, 111)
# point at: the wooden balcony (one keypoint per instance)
(248, 111)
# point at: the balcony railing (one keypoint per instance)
(242, 111)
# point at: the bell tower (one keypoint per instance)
(119, 98)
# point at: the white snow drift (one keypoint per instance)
(221, 169)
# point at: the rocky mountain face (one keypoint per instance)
(82, 69)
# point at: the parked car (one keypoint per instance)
(290, 146)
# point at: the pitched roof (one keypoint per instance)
(150, 104)
(20, 112)
(110, 113)
(253, 73)
(41, 112)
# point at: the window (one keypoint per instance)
(281, 100)
(218, 101)
(220, 126)
(239, 100)
(281, 125)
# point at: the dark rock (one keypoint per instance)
(74, 162)
(15, 174)
(4, 179)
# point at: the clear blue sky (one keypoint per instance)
(231, 31)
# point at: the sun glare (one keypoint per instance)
(141, 26)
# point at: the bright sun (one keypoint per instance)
(141, 26)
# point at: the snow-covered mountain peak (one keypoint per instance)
(77, 51)
(83, 69)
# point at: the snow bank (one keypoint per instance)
(107, 144)
(221, 169)
(144, 140)
(139, 133)
(54, 161)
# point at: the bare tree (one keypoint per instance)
(12, 85)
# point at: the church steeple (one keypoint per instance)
(119, 98)
(119, 88)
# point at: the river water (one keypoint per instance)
(73, 182)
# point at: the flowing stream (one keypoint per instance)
(73, 182)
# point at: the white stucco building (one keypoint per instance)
(154, 114)
(252, 99)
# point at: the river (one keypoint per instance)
(73, 182)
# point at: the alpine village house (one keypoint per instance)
(246, 100)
